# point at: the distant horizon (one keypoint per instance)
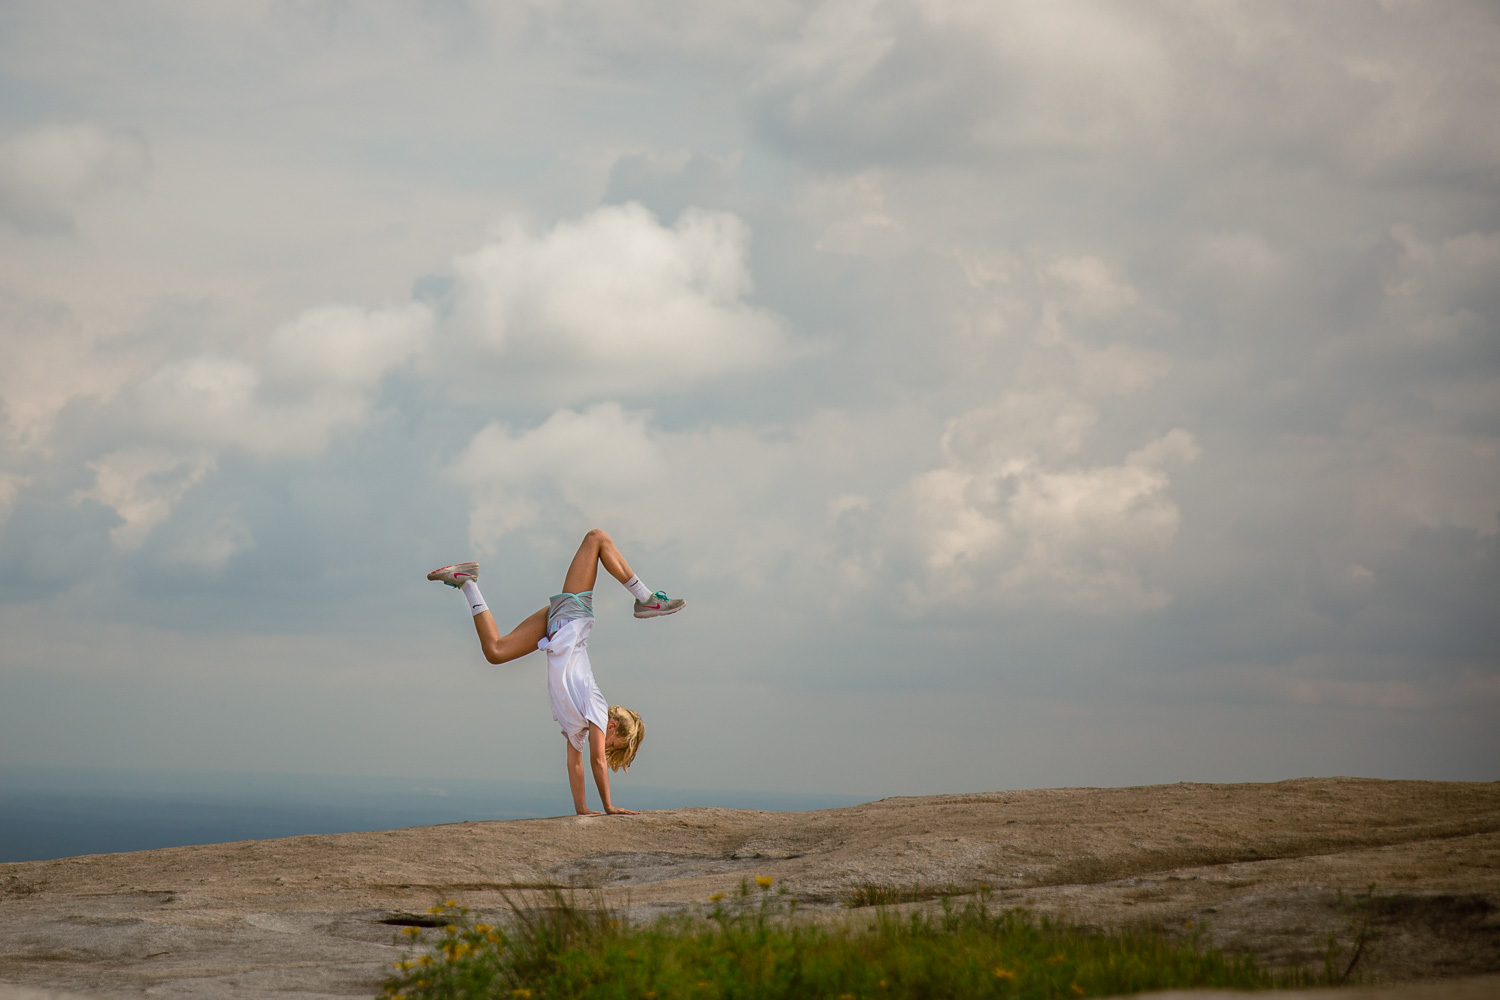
(50, 812)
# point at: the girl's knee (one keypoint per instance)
(598, 536)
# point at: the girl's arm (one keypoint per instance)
(575, 780)
(601, 773)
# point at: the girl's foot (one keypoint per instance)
(659, 604)
(456, 575)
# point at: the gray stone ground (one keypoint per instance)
(1274, 870)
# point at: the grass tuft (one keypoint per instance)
(748, 947)
(879, 894)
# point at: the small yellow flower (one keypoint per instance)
(411, 931)
(483, 928)
(650, 995)
(425, 960)
(523, 993)
(716, 897)
(451, 929)
(764, 881)
(1003, 973)
(882, 984)
(434, 909)
(450, 904)
(492, 937)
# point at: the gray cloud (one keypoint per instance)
(47, 170)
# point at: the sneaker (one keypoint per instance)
(456, 575)
(659, 604)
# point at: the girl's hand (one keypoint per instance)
(617, 811)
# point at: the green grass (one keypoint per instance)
(750, 948)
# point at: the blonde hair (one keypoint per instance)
(630, 728)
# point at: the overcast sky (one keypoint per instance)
(1020, 394)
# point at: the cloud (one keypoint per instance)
(318, 379)
(615, 304)
(142, 485)
(895, 81)
(587, 460)
(669, 182)
(46, 171)
(853, 216)
(210, 544)
(1014, 516)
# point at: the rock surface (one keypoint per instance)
(1274, 869)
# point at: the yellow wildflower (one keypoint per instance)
(716, 897)
(483, 928)
(450, 904)
(434, 909)
(1003, 973)
(522, 992)
(451, 929)
(764, 881)
(425, 960)
(411, 931)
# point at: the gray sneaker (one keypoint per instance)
(659, 604)
(456, 575)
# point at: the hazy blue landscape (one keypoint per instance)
(62, 812)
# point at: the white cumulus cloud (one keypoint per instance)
(1015, 515)
(616, 303)
(586, 459)
(318, 380)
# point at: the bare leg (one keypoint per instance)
(516, 643)
(597, 547)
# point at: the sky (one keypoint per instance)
(1028, 394)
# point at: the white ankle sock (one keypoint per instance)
(476, 599)
(639, 589)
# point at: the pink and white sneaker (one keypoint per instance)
(456, 575)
